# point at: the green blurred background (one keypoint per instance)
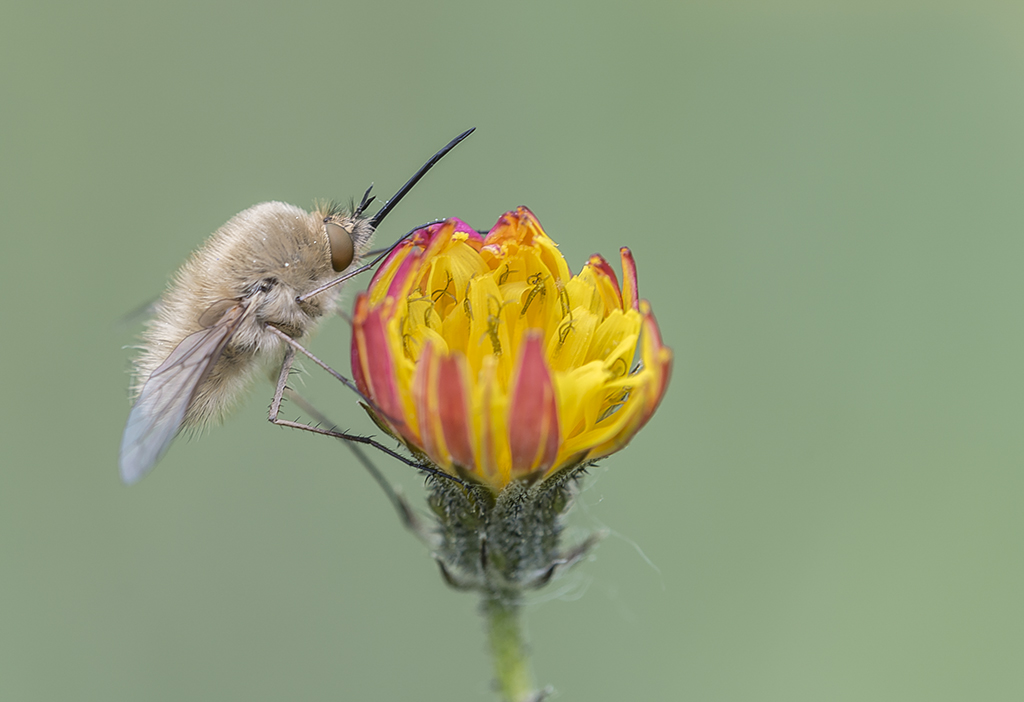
(825, 202)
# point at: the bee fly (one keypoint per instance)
(270, 273)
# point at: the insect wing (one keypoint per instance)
(158, 412)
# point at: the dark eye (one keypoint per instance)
(342, 249)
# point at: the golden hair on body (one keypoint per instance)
(290, 256)
(271, 268)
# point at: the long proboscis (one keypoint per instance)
(404, 190)
(388, 206)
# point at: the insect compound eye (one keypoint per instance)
(342, 249)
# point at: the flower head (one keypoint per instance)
(484, 354)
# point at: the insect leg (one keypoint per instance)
(282, 390)
(405, 512)
(275, 410)
(296, 346)
(282, 381)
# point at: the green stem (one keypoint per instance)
(511, 665)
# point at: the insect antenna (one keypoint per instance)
(365, 202)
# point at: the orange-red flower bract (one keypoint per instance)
(485, 355)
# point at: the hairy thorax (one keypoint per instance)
(264, 258)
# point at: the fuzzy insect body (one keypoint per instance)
(271, 269)
(209, 339)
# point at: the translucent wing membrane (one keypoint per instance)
(160, 409)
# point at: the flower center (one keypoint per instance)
(485, 355)
(482, 300)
